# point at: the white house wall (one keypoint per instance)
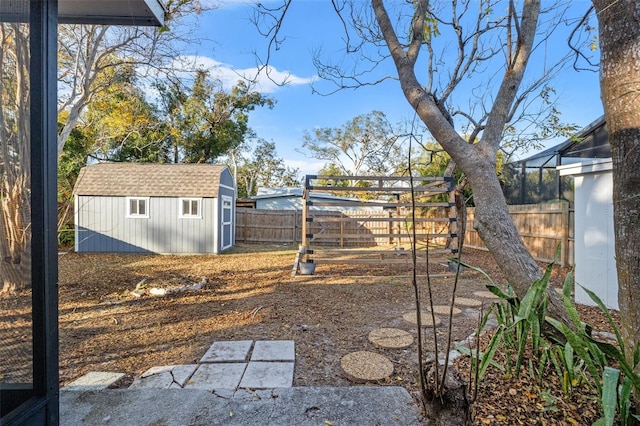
(102, 226)
(595, 266)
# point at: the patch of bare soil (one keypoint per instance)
(250, 294)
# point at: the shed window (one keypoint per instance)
(137, 207)
(190, 208)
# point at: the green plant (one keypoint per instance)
(519, 322)
(66, 237)
(578, 359)
(615, 389)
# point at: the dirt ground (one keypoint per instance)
(250, 294)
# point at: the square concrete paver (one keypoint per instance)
(164, 377)
(236, 351)
(95, 380)
(274, 350)
(216, 376)
(266, 375)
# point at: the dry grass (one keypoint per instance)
(249, 294)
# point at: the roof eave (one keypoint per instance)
(134, 13)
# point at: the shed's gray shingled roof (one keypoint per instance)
(149, 180)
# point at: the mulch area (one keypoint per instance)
(249, 294)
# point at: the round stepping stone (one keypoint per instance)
(425, 317)
(468, 303)
(444, 310)
(485, 294)
(390, 338)
(364, 366)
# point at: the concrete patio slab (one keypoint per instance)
(232, 351)
(216, 376)
(274, 350)
(267, 375)
(164, 377)
(95, 380)
(354, 405)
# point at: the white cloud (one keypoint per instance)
(305, 167)
(266, 80)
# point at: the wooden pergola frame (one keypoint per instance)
(399, 226)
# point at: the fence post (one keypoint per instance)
(564, 245)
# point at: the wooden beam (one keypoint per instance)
(318, 219)
(406, 260)
(349, 203)
(349, 252)
(373, 236)
(423, 190)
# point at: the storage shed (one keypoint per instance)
(154, 208)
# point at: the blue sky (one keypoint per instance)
(230, 40)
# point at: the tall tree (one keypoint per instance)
(365, 145)
(205, 120)
(87, 55)
(121, 124)
(262, 167)
(463, 52)
(619, 31)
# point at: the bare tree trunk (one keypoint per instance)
(15, 244)
(619, 24)
(15, 205)
(477, 161)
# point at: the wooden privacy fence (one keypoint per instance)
(268, 226)
(349, 228)
(542, 227)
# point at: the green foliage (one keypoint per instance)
(204, 121)
(66, 237)
(579, 359)
(261, 168)
(120, 123)
(366, 145)
(606, 361)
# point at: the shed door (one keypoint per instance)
(227, 222)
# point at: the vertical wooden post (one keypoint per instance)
(454, 226)
(305, 211)
(245, 227)
(564, 232)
